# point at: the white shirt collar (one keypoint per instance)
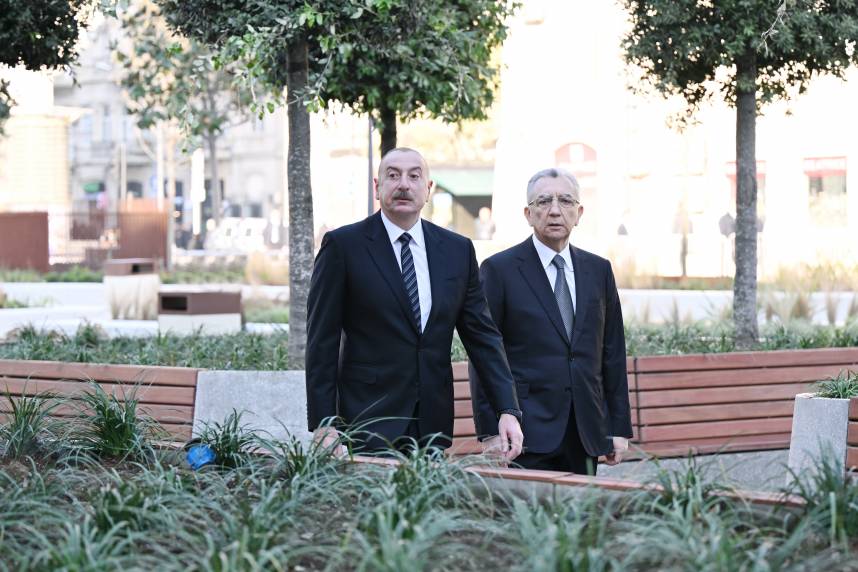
(394, 232)
(547, 254)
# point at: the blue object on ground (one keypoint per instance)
(200, 455)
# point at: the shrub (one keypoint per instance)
(28, 424)
(113, 428)
(231, 441)
(842, 386)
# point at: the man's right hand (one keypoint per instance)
(328, 438)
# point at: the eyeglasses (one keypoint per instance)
(564, 201)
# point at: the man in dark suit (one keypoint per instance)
(384, 298)
(558, 310)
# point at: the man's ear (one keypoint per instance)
(375, 186)
(527, 216)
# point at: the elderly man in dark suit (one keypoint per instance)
(385, 295)
(558, 310)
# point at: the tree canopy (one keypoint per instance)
(39, 34)
(750, 52)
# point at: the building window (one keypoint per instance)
(826, 186)
(135, 189)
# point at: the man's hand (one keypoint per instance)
(510, 436)
(329, 438)
(621, 445)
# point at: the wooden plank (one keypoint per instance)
(852, 458)
(853, 409)
(718, 444)
(464, 428)
(161, 413)
(460, 371)
(738, 360)
(465, 446)
(852, 434)
(699, 413)
(461, 390)
(181, 431)
(738, 395)
(734, 377)
(462, 408)
(717, 429)
(171, 395)
(182, 376)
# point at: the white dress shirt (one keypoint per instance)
(421, 262)
(546, 256)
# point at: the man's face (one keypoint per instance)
(403, 185)
(554, 210)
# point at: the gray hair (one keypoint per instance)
(554, 173)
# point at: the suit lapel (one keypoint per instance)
(583, 294)
(381, 252)
(435, 254)
(534, 274)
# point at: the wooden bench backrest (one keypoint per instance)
(166, 394)
(852, 435)
(705, 403)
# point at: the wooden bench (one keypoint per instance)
(166, 394)
(705, 403)
(852, 435)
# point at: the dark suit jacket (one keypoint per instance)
(553, 373)
(384, 365)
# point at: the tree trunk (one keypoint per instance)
(745, 283)
(300, 202)
(388, 130)
(214, 186)
(170, 147)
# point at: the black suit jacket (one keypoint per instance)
(554, 373)
(384, 366)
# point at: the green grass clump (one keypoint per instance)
(291, 507)
(29, 425)
(111, 427)
(74, 274)
(842, 386)
(230, 440)
(240, 351)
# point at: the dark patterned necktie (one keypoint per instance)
(409, 278)
(564, 297)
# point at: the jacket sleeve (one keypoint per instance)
(614, 376)
(485, 416)
(485, 350)
(325, 303)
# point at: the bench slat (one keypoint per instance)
(144, 394)
(780, 358)
(721, 429)
(737, 395)
(695, 413)
(160, 413)
(731, 377)
(853, 409)
(852, 433)
(180, 376)
(719, 444)
(852, 457)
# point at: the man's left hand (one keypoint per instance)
(621, 445)
(511, 437)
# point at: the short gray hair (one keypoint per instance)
(554, 173)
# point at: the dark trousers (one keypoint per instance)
(569, 456)
(404, 443)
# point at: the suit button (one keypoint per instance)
(567, 389)
(571, 358)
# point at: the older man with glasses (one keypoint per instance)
(558, 311)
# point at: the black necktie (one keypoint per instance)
(409, 278)
(564, 297)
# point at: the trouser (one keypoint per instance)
(570, 456)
